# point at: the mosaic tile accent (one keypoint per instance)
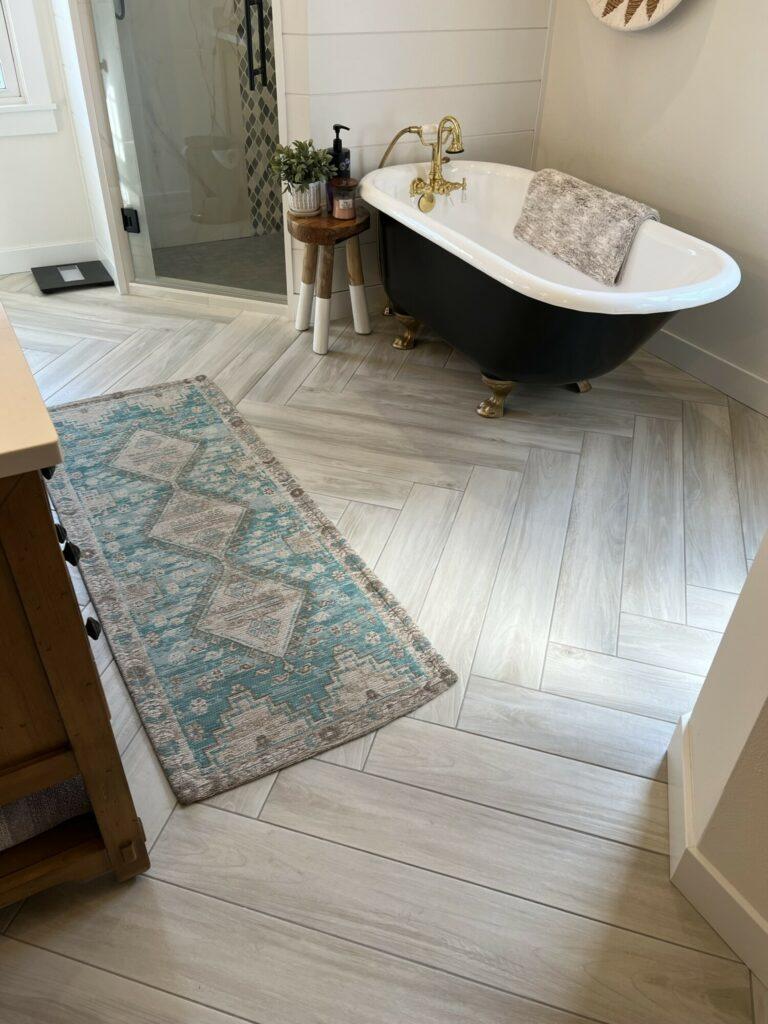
(249, 634)
(261, 129)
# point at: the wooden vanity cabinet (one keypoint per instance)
(54, 719)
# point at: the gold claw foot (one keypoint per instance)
(582, 386)
(412, 327)
(493, 406)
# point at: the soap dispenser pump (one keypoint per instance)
(340, 153)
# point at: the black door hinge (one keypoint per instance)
(130, 220)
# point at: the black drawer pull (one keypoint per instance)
(71, 553)
(61, 533)
(93, 628)
(48, 472)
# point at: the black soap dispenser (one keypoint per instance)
(340, 154)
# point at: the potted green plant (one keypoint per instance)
(303, 171)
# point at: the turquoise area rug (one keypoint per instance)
(249, 634)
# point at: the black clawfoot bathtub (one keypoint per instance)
(521, 315)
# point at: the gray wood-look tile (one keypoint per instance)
(667, 644)
(248, 799)
(529, 397)
(654, 559)
(641, 689)
(149, 787)
(256, 358)
(589, 593)
(101, 376)
(251, 965)
(709, 609)
(340, 482)
(387, 436)
(451, 417)
(750, 441)
(460, 395)
(55, 343)
(520, 856)
(513, 641)
(292, 444)
(26, 318)
(714, 545)
(409, 558)
(43, 988)
(367, 529)
(69, 364)
(38, 358)
(235, 340)
(571, 728)
(647, 374)
(455, 605)
(452, 925)
(287, 372)
(333, 508)
(535, 783)
(382, 362)
(345, 354)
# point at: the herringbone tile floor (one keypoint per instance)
(500, 855)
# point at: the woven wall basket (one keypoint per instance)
(631, 15)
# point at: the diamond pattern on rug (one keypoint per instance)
(158, 456)
(258, 613)
(197, 521)
(247, 631)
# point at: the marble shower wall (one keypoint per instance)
(202, 138)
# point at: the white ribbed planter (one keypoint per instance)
(306, 202)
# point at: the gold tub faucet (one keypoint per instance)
(449, 129)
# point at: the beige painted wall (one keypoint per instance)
(44, 215)
(675, 115)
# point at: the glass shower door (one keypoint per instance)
(192, 101)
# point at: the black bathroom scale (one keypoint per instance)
(63, 276)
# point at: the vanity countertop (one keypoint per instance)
(28, 439)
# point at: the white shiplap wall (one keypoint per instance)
(378, 66)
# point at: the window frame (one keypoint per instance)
(30, 110)
(10, 88)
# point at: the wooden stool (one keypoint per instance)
(324, 232)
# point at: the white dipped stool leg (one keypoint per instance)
(360, 316)
(307, 289)
(323, 301)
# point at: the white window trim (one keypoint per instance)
(33, 112)
(10, 87)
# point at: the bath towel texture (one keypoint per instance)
(589, 228)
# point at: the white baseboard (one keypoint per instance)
(732, 917)
(740, 384)
(15, 261)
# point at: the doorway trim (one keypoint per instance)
(101, 135)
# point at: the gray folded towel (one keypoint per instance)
(587, 227)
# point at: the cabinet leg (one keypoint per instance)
(360, 316)
(323, 300)
(307, 289)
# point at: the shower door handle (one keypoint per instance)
(253, 71)
(119, 9)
